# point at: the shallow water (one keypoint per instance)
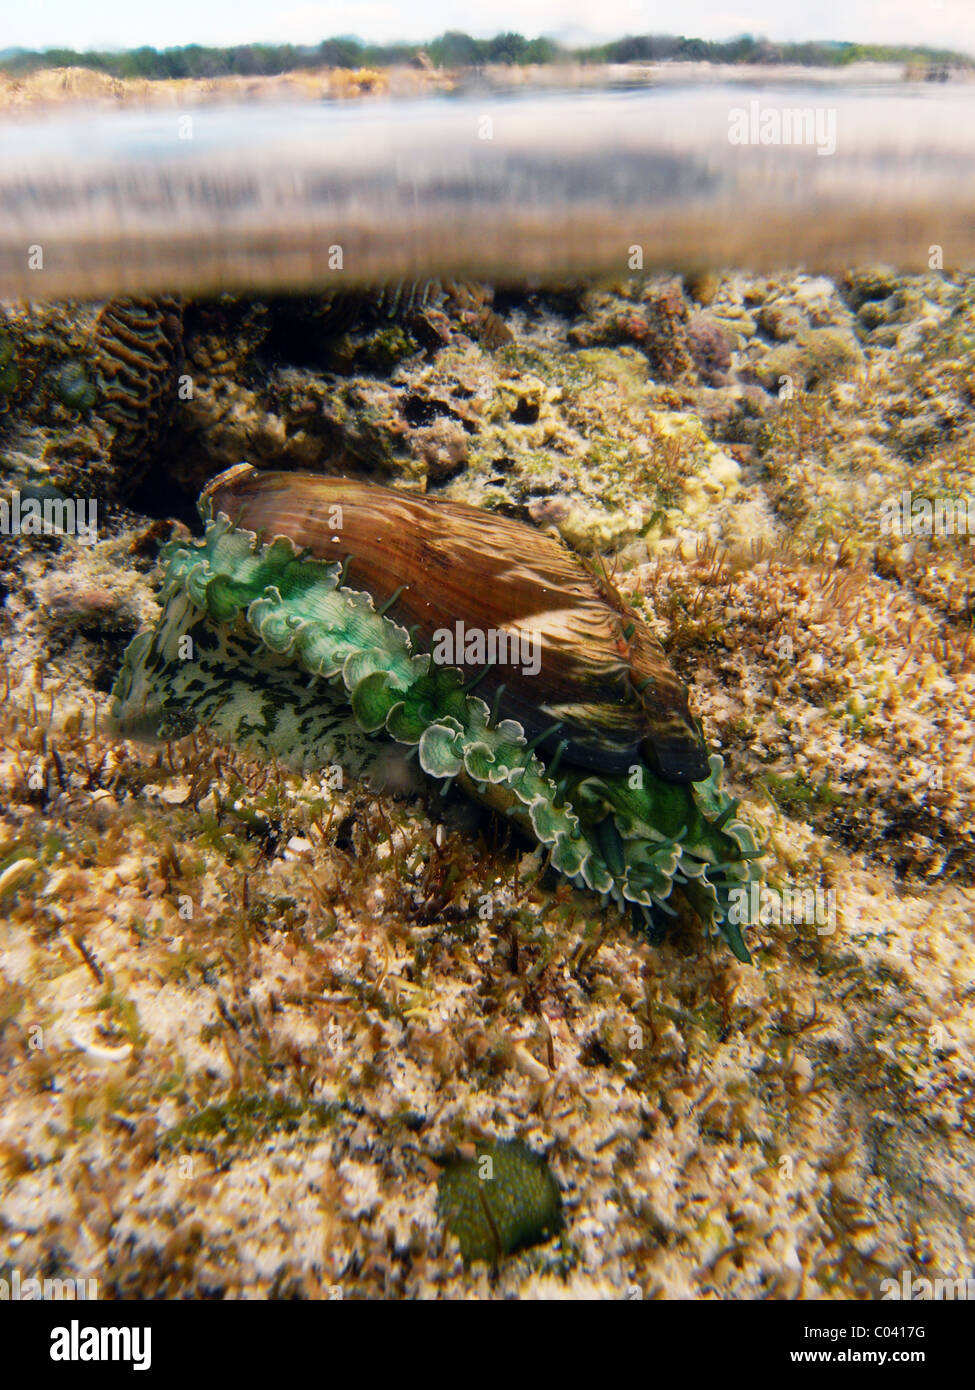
(543, 185)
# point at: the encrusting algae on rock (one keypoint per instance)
(587, 743)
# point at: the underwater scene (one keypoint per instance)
(487, 686)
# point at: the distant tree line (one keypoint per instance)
(456, 50)
(659, 48)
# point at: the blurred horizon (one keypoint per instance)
(455, 50)
(117, 26)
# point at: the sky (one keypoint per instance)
(121, 24)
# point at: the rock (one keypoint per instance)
(709, 349)
(702, 286)
(666, 343)
(875, 282)
(442, 446)
(817, 355)
(782, 321)
(874, 312)
(829, 351)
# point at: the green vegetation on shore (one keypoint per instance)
(458, 50)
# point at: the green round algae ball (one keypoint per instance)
(73, 387)
(501, 1201)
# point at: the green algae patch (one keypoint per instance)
(503, 1200)
(793, 794)
(243, 1119)
(9, 371)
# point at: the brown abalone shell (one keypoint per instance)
(602, 677)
